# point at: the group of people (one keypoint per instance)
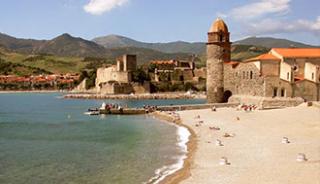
(247, 108)
(150, 108)
(105, 106)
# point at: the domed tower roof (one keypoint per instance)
(219, 25)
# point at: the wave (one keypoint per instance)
(161, 173)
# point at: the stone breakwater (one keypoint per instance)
(137, 96)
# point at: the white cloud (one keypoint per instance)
(270, 26)
(260, 8)
(98, 7)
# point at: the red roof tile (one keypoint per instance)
(262, 57)
(298, 52)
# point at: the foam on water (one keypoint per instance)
(183, 135)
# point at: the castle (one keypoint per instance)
(282, 77)
(118, 79)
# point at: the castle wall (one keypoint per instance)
(111, 74)
(129, 63)
(141, 88)
(116, 88)
(201, 72)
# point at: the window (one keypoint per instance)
(283, 92)
(312, 76)
(220, 38)
(275, 92)
(251, 75)
(244, 74)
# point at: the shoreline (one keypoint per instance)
(33, 91)
(185, 171)
(144, 96)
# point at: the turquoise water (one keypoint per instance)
(46, 139)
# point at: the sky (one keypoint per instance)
(161, 20)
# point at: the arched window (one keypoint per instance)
(275, 92)
(244, 74)
(251, 75)
(220, 38)
(283, 92)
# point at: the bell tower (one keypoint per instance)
(218, 52)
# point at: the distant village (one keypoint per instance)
(39, 82)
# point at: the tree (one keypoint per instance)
(140, 76)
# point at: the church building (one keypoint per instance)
(281, 77)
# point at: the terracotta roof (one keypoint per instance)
(298, 78)
(218, 25)
(232, 63)
(262, 57)
(163, 62)
(298, 52)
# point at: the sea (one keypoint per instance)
(46, 139)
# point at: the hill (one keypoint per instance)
(66, 45)
(67, 53)
(198, 48)
(18, 44)
(113, 41)
(271, 42)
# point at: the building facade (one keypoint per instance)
(173, 71)
(281, 73)
(281, 77)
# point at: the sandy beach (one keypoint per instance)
(254, 150)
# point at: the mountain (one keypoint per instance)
(18, 44)
(113, 46)
(271, 42)
(113, 41)
(66, 45)
(69, 46)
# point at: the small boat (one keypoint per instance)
(92, 113)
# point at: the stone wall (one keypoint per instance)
(141, 88)
(116, 88)
(244, 79)
(200, 72)
(270, 68)
(111, 74)
(266, 102)
(276, 87)
(307, 90)
(129, 63)
(215, 61)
